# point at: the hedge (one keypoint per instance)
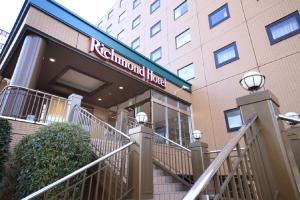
(5, 138)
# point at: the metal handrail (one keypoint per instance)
(289, 119)
(213, 168)
(56, 183)
(171, 141)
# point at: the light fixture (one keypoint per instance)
(141, 118)
(99, 99)
(52, 60)
(197, 134)
(252, 81)
(292, 115)
(121, 87)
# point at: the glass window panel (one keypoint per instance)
(159, 122)
(136, 43)
(136, 21)
(136, 3)
(109, 29)
(156, 54)
(121, 3)
(110, 14)
(187, 72)
(185, 130)
(183, 38)
(184, 107)
(180, 10)
(120, 35)
(172, 102)
(233, 119)
(226, 55)
(219, 16)
(158, 95)
(154, 6)
(173, 125)
(122, 16)
(155, 29)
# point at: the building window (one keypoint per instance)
(110, 14)
(120, 35)
(135, 43)
(121, 3)
(122, 17)
(218, 16)
(154, 6)
(100, 24)
(284, 28)
(136, 3)
(233, 119)
(136, 22)
(226, 55)
(109, 28)
(180, 10)
(187, 72)
(156, 54)
(155, 29)
(183, 38)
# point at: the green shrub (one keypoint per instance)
(50, 154)
(5, 139)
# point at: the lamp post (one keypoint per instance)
(197, 134)
(252, 81)
(141, 118)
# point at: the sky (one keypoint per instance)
(90, 10)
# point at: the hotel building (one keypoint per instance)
(211, 45)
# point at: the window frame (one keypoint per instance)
(229, 130)
(152, 35)
(133, 27)
(152, 11)
(123, 13)
(177, 47)
(216, 11)
(269, 26)
(175, 18)
(121, 3)
(110, 14)
(136, 39)
(122, 31)
(185, 67)
(159, 48)
(110, 25)
(237, 57)
(135, 6)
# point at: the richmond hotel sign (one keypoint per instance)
(108, 54)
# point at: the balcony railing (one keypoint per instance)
(34, 106)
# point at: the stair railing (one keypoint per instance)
(104, 178)
(173, 157)
(235, 172)
(104, 138)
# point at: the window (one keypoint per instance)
(156, 54)
(154, 6)
(233, 119)
(121, 3)
(284, 28)
(135, 43)
(226, 55)
(109, 28)
(122, 17)
(120, 35)
(183, 38)
(155, 29)
(186, 72)
(136, 3)
(136, 22)
(110, 14)
(180, 10)
(218, 16)
(100, 24)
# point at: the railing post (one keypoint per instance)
(74, 99)
(140, 163)
(270, 146)
(200, 160)
(293, 134)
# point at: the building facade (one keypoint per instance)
(211, 45)
(3, 37)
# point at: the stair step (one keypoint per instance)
(162, 179)
(169, 187)
(169, 196)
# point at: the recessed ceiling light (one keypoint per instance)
(109, 94)
(99, 99)
(121, 87)
(52, 60)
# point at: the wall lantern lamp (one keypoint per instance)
(292, 115)
(197, 134)
(252, 81)
(141, 118)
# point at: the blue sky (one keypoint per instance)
(90, 10)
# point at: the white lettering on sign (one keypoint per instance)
(108, 54)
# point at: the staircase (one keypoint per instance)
(166, 186)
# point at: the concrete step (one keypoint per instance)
(168, 187)
(169, 196)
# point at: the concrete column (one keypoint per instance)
(122, 121)
(74, 100)
(28, 66)
(200, 158)
(140, 163)
(277, 167)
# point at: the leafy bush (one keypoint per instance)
(5, 139)
(48, 155)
